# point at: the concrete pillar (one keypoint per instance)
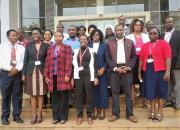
(9, 17)
(100, 7)
(14, 13)
(5, 19)
(49, 13)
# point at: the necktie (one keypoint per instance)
(13, 56)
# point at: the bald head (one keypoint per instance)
(122, 20)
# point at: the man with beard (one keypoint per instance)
(172, 36)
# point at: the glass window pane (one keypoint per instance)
(76, 23)
(110, 6)
(130, 6)
(174, 4)
(91, 7)
(28, 24)
(33, 8)
(70, 7)
(49, 22)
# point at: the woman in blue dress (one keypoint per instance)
(100, 94)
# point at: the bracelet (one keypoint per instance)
(167, 71)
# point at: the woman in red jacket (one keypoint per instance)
(58, 69)
(155, 60)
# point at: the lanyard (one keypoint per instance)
(82, 55)
(150, 48)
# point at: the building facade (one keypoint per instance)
(47, 13)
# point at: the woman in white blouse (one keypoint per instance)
(139, 38)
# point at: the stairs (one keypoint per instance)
(171, 120)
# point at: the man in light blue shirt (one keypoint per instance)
(72, 40)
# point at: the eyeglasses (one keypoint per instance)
(153, 33)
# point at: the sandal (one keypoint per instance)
(33, 120)
(102, 114)
(159, 117)
(90, 121)
(152, 116)
(79, 121)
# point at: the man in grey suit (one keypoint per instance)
(121, 58)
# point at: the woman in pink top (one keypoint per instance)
(139, 38)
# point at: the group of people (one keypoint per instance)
(77, 64)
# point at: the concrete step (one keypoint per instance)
(168, 123)
(171, 120)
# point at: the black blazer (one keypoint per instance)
(31, 56)
(174, 42)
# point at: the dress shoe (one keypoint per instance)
(55, 121)
(132, 119)
(168, 104)
(113, 118)
(33, 120)
(39, 120)
(18, 120)
(62, 122)
(5, 122)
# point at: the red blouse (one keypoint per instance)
(160, 51)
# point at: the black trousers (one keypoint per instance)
(59, 102)
(118, 81)
(11, 88)
(84, 87)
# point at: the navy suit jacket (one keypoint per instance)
(100, 56)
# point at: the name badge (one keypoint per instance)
(81, 68)
(37, 62)
(138, 49)
(150, 60)
(14, 62)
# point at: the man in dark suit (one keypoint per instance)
(172, 36)
(121, 58)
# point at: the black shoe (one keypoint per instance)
(18, 120)
(55, 121)
(168, 104)
(5, 122)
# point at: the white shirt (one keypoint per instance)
(144, 36)
(168, 35)
(91, 64)
(5, 56)
(96, 46)
(120, 52)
